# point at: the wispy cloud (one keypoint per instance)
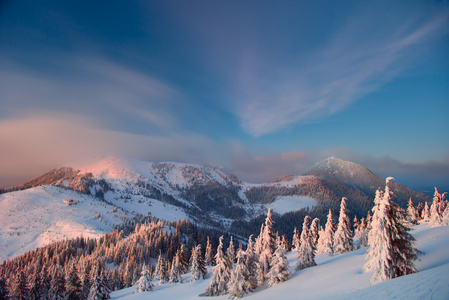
(358, 59)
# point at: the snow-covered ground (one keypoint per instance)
(38, 216)
(285, 204)
(339, 277)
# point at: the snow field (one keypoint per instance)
(286, 204)
(337, 277)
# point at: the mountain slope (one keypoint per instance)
(336, 277)
(360, 178)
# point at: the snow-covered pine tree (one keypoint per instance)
(197, 265)
(144, 283)
(57, 285)
(251, 263)
(285, 244)
(343, 235)
(356, 227)
(426, 213)
(176, 270)
(19, 289)
(99, 289)
(363, 230)
(391, 253)
(279, 270)
(209, 256)
(411, 212)
(183, 259)
(435, 211)
(446, 217)
(314, 230)
(221, 273)
(306, 256)
(326, 241)
(73, 288)
(161, 270)
(238, 285)
(34, 286)
(268, 248)
(258, 243)
(230, 252)
(296, 239)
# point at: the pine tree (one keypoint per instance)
(197, 265)
(426, 213)
(144, 283)
(73, 290)
(230, 252)
(221, 273)
(326, 241)
(34, 286)
(306, 256)
(435, 210)
(238, 285)
(296, 239)
(57, 285)
(343, 235)
(314, 229)
(161, 270)
(98, 289)
(258, 243)
(411, 212)
(209, 256)
(279, 270)
(391, 253)
(268, 248)
(183, 260)
(363, 240)
(19, 289)
(251, 264)
(176, 270)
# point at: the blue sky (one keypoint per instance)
(261, 88)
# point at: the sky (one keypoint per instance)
(259, 88)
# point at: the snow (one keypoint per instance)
(337, 277)
(286, 204)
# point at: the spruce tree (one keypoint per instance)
(144, 283)
(306, 256)
(411, 212)
(98, 289)
(279, 270)
(221, 273)
(57, 285)
(251, 264)
(326, 240)
(391, 253)
(314, 230)
(363, 232)
(230, 252)
(238, 285)
(197, 265)
(435, 210)
(176, 270)
(426, 213)
(73, 288)
(296, 239)
(209, 256)
(34, 286)
(183, 260)
(268, 247)
(19, 289)
(3, 288)
(343, 235)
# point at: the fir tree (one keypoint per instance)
(161, 270)
(326, 240)
(57, 285)
(230, 252)
(19, 289)
(221, 273)
(268, 248)
(426, 213)
(411, 212)
(279, 270)
(296, 239)
(391, 253)
(306, 256)
(197, 265)
(363, 232)
(251, 264)
(144, 283)
(73, 290)
(435, 210)
(314, 230)
(34, 286)
(209, 256)
(98, 289)
(238, 285)
(183, 260)
(176, 270)
(343, 235)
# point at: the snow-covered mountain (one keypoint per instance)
(91, 198)
(362, 179)
(336, 277)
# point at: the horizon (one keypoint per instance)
(261, 89)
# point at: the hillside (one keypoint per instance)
(337, 277)
(112, 188)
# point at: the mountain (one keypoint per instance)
(95, 197)
(361, 179)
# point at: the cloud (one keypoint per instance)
(36, 144)
(265, 167)
(362, 56)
